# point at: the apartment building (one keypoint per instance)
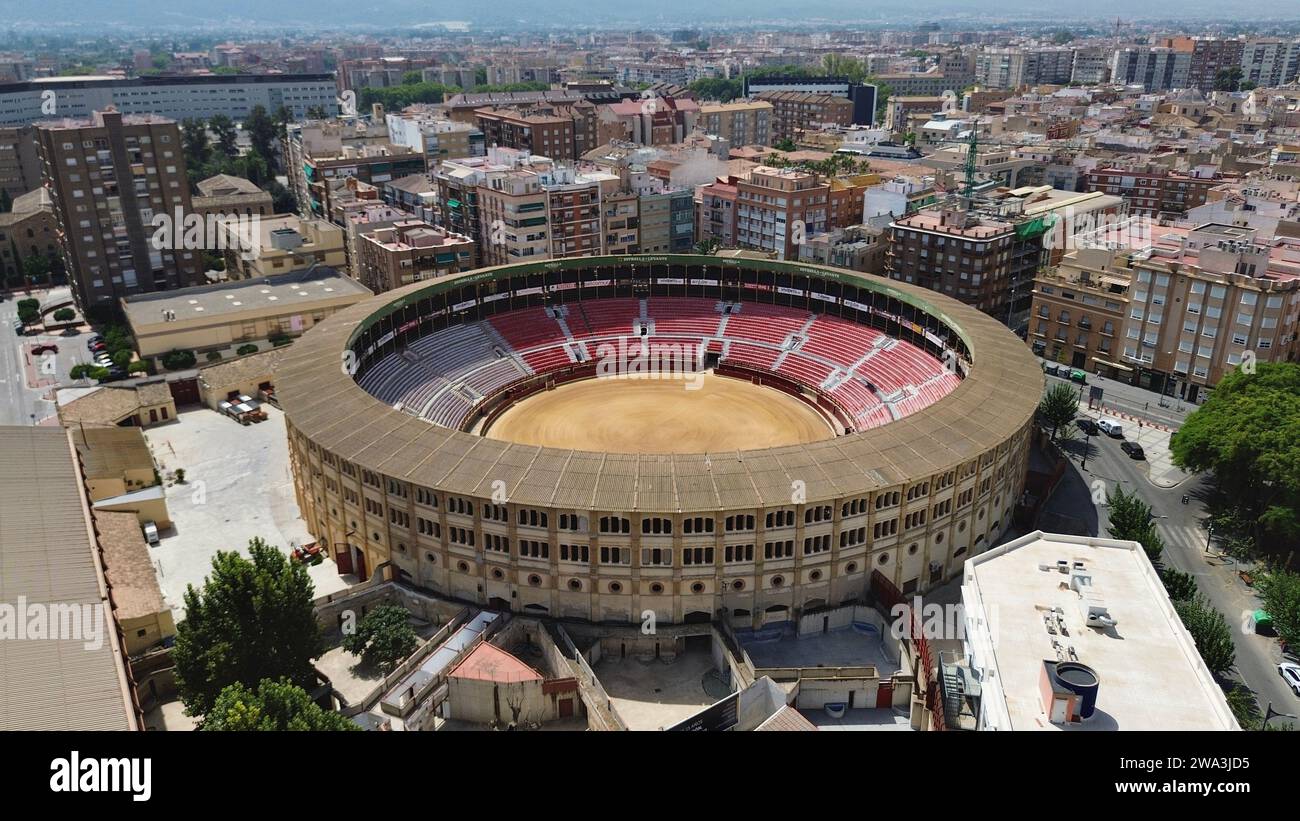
(667, 220)
(549, 135)
(512, 208)
(621, 214)
(650, 120)
(175, 96)
(716, 212)
(1012, 68)
(1157, 191)
(1091, 66)
(1209, 56)
(1270, 62)
(107, 177)
(1154, 68)
(437, 138)
(1174, 317)
(410, 251)
(745, 122)
(20, 161)
(777, 208)
(320, 154)
(794, 111)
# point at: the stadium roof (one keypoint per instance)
(995, 402)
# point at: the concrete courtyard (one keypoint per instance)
(654, 694)
(237, 487)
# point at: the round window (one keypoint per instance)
(778, 581)
(462, 567)
(697, 588)
(738, 585)
(815, 575)
(884, 559)
(615, 587)
(535, 580)
(851, 567)
(911, 549)
(656, 588)
(574, 584)
(498, 573)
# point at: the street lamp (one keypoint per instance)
(1270, 712)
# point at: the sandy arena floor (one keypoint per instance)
(661, 416)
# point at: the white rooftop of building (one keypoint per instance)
(1151, 676)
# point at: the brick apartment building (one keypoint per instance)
(410, 251)
(1151, 193)
(1175, 317)
(107, 177)
(794, 111)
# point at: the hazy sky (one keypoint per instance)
(540, 13)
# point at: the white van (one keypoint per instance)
(1111, 428)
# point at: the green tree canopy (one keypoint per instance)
(1059, 406)
(276, 706)
(224, 129)
(1248, 434)
(251, 620)
(1210, 631)
(1279, 593)
(383, 638)
(1131, 520)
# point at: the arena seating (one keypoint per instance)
(872, 377)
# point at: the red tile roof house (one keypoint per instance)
(492, 686)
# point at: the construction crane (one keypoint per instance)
(972, 152)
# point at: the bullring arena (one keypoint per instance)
(598, 437)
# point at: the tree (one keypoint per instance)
(1179, 585)
(65, 315)
(317, 112)
(383, 638)
(707, 247)
(1279, 593)
(1210, 631)
(252, 620)
(276, 705)
(1228, 79)
(785, 144)
(840, 65)
(121, 358)
(194, 142)
(262, 134)
(178, 360)
(36, 268)
(1248, 435)
(81, 371)
(227, 137)
(1059, 406)
(717, 88)
(1244, 706)
(138, 366)
(245, 350)
(1131, 520)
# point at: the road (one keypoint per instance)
(1166, 410)
(20, 404)
(1185, 550)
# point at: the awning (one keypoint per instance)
(1101, 361)
(453, 203)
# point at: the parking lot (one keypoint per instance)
(237, 487)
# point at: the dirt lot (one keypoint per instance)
(661, 416)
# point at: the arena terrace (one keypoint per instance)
(469, 436)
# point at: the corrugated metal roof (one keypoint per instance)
(47, 558)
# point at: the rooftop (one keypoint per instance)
(128, 565)
(1151, 675)
(227, 298)
(111, 451)
(490, 663)
(47, 556)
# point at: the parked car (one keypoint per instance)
(94, 344)
(1088, 426)
(1052, 370)
(1290, 673)
(1079, 376)
(19, 327)
(1111, 428)
(1133, 449)
(48, 347)
(151, 533)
